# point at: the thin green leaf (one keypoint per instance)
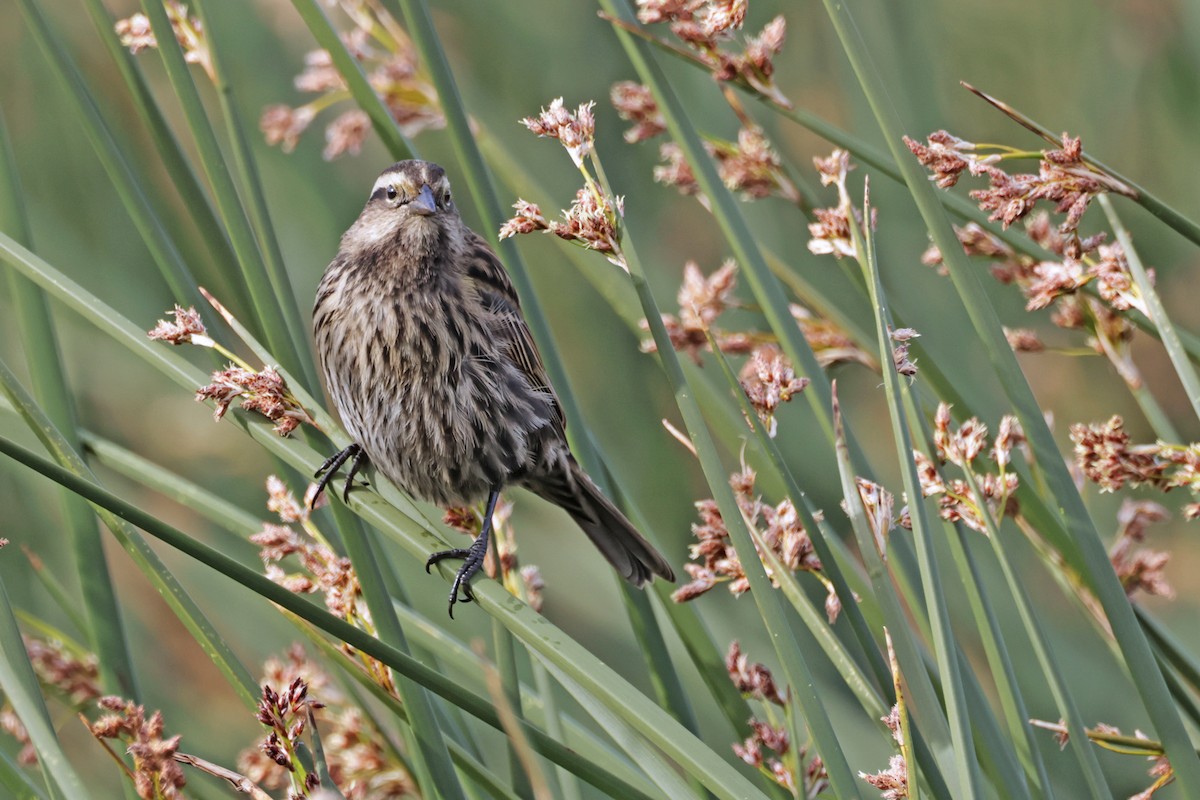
(182, 177)
(1022, 737)
(427, 742)
(17, 782)
(670, 783)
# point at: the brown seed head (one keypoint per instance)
(187, 328)
(636, 104)
(576, 131)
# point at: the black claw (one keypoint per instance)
(331, 465)
(472, 556)
(460, 552)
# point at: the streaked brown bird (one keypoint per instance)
(435, 376)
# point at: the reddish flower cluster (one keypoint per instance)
(1063, 178)
(156, 774)
(593, 221)
(755, 682)
(752, 680)
(893, 781)
(900, 360)
(768, 380)
(265, 392)
(962, 448)
(286, 714)
(780, 530)
(832, 232)
(1107, 456)
(136, 34)
(675, 171)
(360, 762)
(393, 72)
(703, 25)
(634, 103)
(187, 328)
(11, 724)
(749, 166)
(1081, 262)
(576, 131)
(767, 377)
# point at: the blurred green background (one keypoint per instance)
(1124, 76)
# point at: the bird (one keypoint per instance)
(431, 366)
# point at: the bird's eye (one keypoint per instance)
(446, 198)
(391, 193)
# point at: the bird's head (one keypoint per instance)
(410, 207)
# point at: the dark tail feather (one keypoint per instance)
(614, 536)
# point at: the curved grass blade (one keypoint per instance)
(568, 758)
(426, 738)
(507, 695)
(17, 782)
(1016, 715)
(576, 736)
(767, 601)
(209, 504)
(1045, 656)
(669, 782)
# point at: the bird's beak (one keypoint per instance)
(424, 203)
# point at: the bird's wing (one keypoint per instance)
(495, 290)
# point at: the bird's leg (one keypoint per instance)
(472, 556)
(331, 465)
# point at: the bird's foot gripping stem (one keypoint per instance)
(332, 464)
(472, 556)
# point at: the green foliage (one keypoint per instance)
(929, 633)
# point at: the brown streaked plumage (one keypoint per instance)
(436, 377)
